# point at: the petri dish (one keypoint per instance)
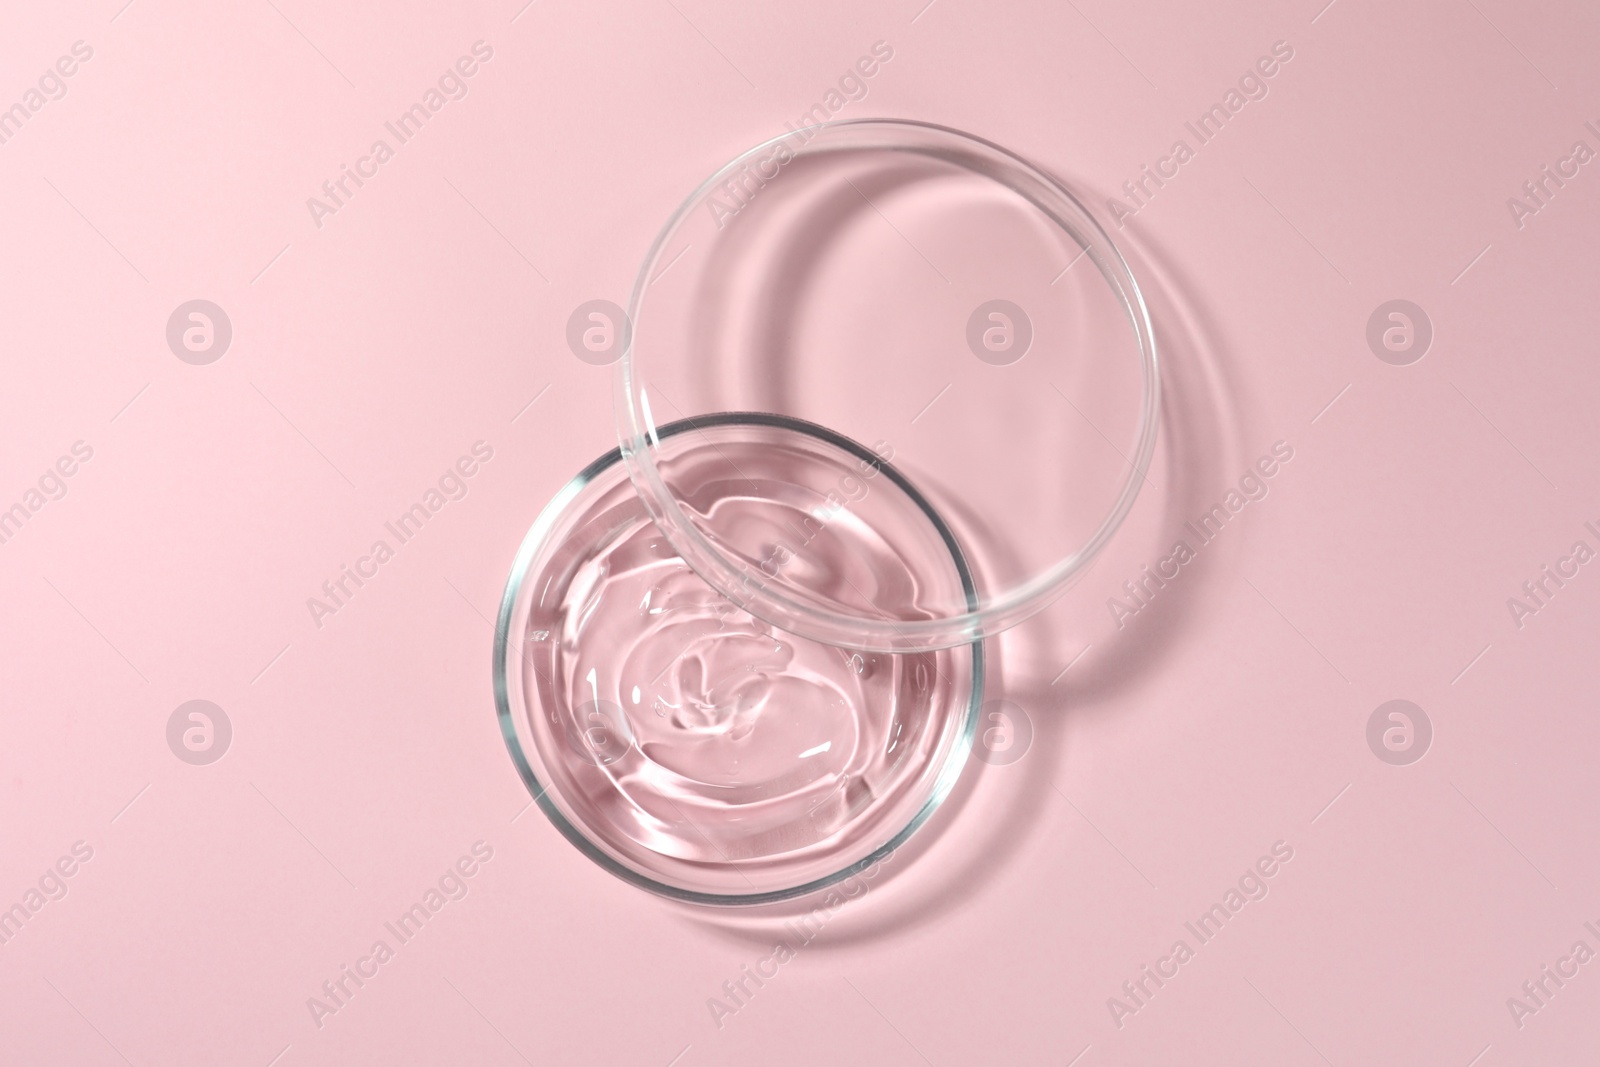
(693, 749)
(933, 296)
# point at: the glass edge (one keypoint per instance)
(780, 609)
(949, 773)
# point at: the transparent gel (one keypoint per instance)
(695, 749)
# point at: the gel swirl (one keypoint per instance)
(719, 737)
(691, 744)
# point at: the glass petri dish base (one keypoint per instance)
(685, 745)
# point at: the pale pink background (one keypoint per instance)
(428, 312)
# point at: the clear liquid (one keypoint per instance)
(678, 726)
